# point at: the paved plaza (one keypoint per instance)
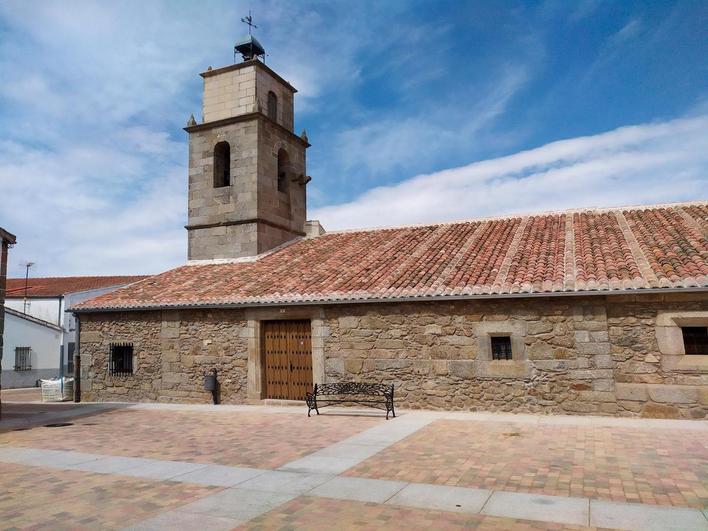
(155, 466)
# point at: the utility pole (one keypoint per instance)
(27, 268)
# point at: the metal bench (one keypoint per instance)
(379, 396)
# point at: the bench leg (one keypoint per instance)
(310, 408)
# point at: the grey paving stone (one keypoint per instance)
(359, 489)
(287, 482)
(455, 499)
(41, 457)
(113, 465)
(559, 509)
(172, 520)
(17, 455)
(349, 451)
(385, 435)
(314, 464)
(162, 469)
(237, 503)
(645, 517)
(219, 475)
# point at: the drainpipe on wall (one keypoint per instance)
(77, 360)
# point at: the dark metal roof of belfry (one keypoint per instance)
(249, 47)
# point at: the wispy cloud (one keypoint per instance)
(380, 146)
(94, 95)
(655, 162)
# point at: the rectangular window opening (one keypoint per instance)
(501, 347)
(23, 358)
(695, 340)
(121, 359)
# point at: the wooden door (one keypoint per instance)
(287, 352)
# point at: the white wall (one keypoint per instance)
(46, 347)
(49, 309)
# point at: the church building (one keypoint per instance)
(588, 311)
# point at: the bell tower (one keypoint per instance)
(247, 171)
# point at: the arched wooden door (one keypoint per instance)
(287, 355)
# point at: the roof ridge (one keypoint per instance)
(522, 215)
(639, 257)
(77, 276)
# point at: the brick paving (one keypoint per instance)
(247, 439)
(27, 394)
(638, 462)
(650, 466)
(326, 514)
(41, 498)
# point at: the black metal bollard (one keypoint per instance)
(211, 384)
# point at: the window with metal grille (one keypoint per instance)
(501, 347)
(695, 340)
(23, 358)
(121, 359)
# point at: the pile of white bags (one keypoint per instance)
(57, 389)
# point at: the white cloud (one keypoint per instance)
(649, 163)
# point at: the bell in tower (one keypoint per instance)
(247, 168)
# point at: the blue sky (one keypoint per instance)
(417, 112)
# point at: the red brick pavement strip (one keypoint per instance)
(657, 467)
(325, 514)
(44, 498)
(28, 394)
(257, 440)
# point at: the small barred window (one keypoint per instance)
(695, 340)
(501, 347)
(121, 359)
(23, 358)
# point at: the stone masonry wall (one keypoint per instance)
(574, 355)
(571, 355)
(172, 353)
(439, 354)
(651, 382)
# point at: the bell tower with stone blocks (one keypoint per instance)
(247, 171)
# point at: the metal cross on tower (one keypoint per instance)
(249, 20)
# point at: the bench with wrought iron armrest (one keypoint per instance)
(379, 396)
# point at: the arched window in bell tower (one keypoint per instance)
(283, 170)
(272, 106)
(222, 165)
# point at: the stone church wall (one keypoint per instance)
(571, 355)
(172, 351)
(575, 355)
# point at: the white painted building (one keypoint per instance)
(31, 350)
(45, 300)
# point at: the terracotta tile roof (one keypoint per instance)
(598, 250)
(58, 286)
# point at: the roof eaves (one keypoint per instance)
(353, 299)
(32, 319)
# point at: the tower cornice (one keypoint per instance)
(246, 64)
(256, 115)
